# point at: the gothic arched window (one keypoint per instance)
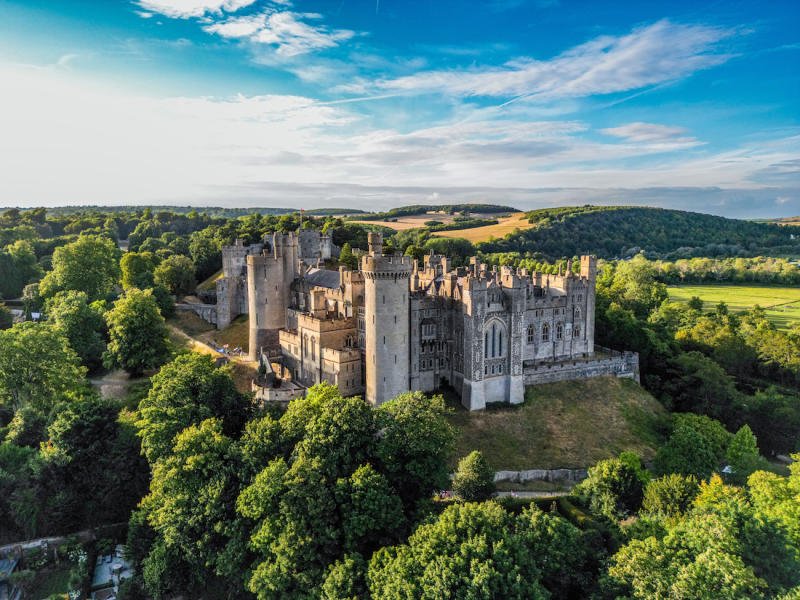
(576, 331)
(494, 345)
(577, 312)
(545, 332)
(531, 334)
(559, 331)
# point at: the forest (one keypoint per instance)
(215, 496)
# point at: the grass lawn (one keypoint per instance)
(210, 283)
(482, 234)
(235, 334)
(781, 304)
(569, 424)
(48, 583)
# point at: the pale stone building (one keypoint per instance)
(395, 325)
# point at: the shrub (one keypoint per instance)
(474, 479)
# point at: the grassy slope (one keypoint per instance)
(568, 424)
(482, 234)
(781, 304)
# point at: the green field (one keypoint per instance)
(781, 304)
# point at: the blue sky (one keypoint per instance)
(377, 103)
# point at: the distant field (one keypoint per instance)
(482, 234)
(781, 304)
(568, 424)
(413, 221)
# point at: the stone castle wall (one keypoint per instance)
(609, 362)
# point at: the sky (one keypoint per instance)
(372, 104)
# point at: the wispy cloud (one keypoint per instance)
(185, 9)
(647, 132)
(663, 51)
(291, 33)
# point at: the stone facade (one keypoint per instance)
(395, 325)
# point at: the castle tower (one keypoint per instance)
(268, 278)
(589, 271)
(386, 313)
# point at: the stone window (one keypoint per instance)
(576, 331)
(305, 345)
(531, 334)
(545, 332)
(494, 340)
(500, 368)
(580, 297)
(313, 347)
(559, 331)
(577, 312)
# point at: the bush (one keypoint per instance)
(670, 496)
(474, 479)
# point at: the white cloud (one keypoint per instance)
(68, 141)
(647, 132)
(184, 9)
(286, 30)
(661, 52)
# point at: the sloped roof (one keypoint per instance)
(323, 278)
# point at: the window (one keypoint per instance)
(313, 345)
(531, 334)
(545, 332)
(500, 368)
(577, 312)
(559, 331)
(493, 346)
(576, 331)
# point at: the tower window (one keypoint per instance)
(545, 332)
(531, 334)
(576, 331)
(559, 331)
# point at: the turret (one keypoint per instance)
(386, 313)
(269, 276)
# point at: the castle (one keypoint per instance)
(394, 325)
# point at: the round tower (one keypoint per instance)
(267, 298)
(386, 315)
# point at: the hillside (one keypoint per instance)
(503, 226)
(567, 424)
(618, 231)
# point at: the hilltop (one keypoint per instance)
(566, 424)
(620, 231)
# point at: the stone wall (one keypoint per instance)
(575, 475)
(607, 362)
(208, 312)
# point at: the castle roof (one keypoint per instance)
(323, 278)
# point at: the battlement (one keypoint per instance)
(381, 267)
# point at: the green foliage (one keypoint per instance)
(711, 429)
(27, 428)
(137, 270)
(669, 496)
(347, 258)
(185, 392)
(726, 547)
(19, 267)
(81, 323)
(481, 551)
(137, 333)
(688, 453)
(613, 488)
(38, 368)
(176, 273)
(6, 318)
(612, 231)
(474, 478)
(90, 264)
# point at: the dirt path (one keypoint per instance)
(113, 385)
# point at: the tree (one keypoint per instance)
(742, 454)
(19, 267)
(480, 551)
(695, 303)
(90, 264)
(82, 324)
(416, 443)
(612, 488)
(38, 368)
(91, 455)
(137, 333)
(137, 270)
(347, 258)
(6, 318)
(669, 496)
(191, 501)
(686, 452)
(176, 273)
(711, 429)
(185, 392)
(474, 478)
